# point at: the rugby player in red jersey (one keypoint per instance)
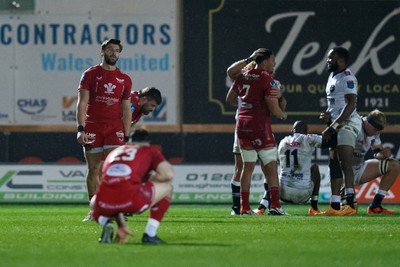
(103, 111)
(136, 177)
(144, 102)
(253, 126)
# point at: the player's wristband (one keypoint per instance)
(334, 126)
(81, 128)
(248, 60)
(126, 138)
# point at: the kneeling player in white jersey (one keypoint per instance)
(299, 179)
(381, 165)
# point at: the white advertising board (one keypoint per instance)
(66, 184)
(44, 55)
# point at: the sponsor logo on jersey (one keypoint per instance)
(332, 88)
(293, 144)
(350, 84)
(99, 78)
(119, 169)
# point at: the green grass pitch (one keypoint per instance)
(200, 235)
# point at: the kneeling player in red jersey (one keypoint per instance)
(136, 177)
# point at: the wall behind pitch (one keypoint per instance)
(44, 54)
(219, 32)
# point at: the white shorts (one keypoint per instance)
(265, 155)
(347, 133)
(295, 195)
(358, 170)
(236, 148)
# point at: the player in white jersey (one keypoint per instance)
(344, 125)
(299, 179)
(381, 165)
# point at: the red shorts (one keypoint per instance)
(105, 134)
(255, 134)
(135, 199)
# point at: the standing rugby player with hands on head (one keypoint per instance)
(253, 126)
(233, 72)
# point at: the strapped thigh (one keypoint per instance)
(384, 166)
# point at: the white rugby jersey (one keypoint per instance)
(295, 155)
(337, 87)
(363, 145)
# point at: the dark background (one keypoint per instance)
(216, 33)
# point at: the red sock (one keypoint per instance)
(158, 210)
(244, 200)
(274, 193)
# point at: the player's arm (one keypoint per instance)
(282, 103)
(231, 96)
(351, 103)
(274, 108)
(164, 172)
(236, 68)
(81, 104)
(381, 152)
(126, 116)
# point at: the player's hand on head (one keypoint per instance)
(257, 53)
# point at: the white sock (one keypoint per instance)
(235, 183)
(151, 227)
(381, 192)
(103, 220)
(349, 191)
(264, 202)
(335, 198)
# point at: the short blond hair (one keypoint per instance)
(378, 117)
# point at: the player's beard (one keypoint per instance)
(110, 61)
(333, 67)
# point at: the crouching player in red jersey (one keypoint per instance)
(136, 177)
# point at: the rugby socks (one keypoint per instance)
(349, 194)
(377, 201)
(314, 202)
(152, 227)
(245, 202)
(235, 195)
(159, 209)
(265, 201)
(274, 194)
(335, 202)
(103, 220)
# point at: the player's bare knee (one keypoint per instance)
(394, 166)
